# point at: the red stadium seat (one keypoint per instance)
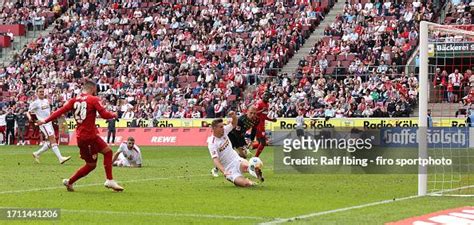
(330, 70)
(346, 64)
(191, 79)
(341, 57)
(325, 5)
(182, 79)
(330, 58)
(351, 57)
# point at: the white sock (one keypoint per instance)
(56, 151)
(252, 172)
(43, 148)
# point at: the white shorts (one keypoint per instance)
(123, 161)
(234, 170)
(47, 129)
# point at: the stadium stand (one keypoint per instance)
(179, 60)
(161, 60)
(30, 13)
(453, 81)
(459, 12)
(357, 69)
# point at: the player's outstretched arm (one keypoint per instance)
(66, 108)
(136, 165)
(267, 118)
(233, 115)
(28, 115)
(139, 158)
(116, 154)
(31, 109)
(253, 133)
(219, 166)
(103, 112)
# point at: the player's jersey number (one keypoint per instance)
(80, 111)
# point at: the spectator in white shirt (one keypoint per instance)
(128, 115)
(456, 79)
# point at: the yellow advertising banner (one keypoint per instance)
(368, 123)
(122, 123)
(286, 123)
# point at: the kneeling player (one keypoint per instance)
(128, 154)
(224, 156)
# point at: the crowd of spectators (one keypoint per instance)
(453, 87)
(357, 69)
(460, 12)
(158, 60)
(324, 96)
(32, 13)
(455, 83)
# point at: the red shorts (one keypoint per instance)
(90, 147)
(260, 132)
(2, 129)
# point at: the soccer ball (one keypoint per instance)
(255, 162)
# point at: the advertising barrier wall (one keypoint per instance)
(286, 123)
(442, 137)
(154, 136)
(439, 137)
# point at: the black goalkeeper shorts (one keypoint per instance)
(237, 140)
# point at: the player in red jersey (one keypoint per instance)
(85, 107)
(262, 114)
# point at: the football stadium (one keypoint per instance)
(237, 112)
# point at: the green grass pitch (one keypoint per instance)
(175, 187)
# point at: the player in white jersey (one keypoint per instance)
(225, 158)
(42, 109)
(128, 154)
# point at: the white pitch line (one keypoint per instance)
(316, 214)
(97, 184)
(128, 213)
(278, 221)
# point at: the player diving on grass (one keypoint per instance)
(128, 154)
(86, 106)
(237, 135)
(42, 109)
(224, 156)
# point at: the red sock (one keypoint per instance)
(108, 165)
(81, 172)
(259, 150)
(255, 145)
